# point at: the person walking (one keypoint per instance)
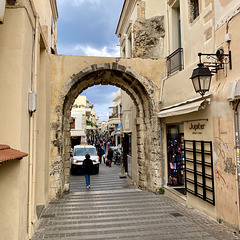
(87, 167)
(100, 154)
(110, 156)
(104, 150)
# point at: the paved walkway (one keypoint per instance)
(114, 209)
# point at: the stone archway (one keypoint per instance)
(140, 89)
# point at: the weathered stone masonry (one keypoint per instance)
(141, 90)
(148, 37)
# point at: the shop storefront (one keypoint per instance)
(127, 156)
(129, 140)
(188, 147)
(175, 157)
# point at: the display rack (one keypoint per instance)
(176, 161)
(199, 179)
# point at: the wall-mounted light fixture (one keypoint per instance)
(201, 76)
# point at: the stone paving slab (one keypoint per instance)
(114, 209)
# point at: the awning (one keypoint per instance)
(114, 121)
(183, 109)
(78, 133)
(112, 133)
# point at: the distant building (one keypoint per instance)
(84, 125)
(92, 130)
(114, 119)
(28, 37)
(78, 125)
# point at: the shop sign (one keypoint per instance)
(197, 127)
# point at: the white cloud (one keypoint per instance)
(89, 51)
(101, 106)
(77, 3)
(104, 52)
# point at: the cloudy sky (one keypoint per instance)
(87, 28)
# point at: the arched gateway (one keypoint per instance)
(68, 82)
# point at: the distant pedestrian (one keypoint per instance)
(104, 149)
(100, 154)
(87, 167)
(110, 156)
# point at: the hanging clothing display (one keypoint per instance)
(175, 145)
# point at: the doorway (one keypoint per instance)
(127, 150)
(175, 156)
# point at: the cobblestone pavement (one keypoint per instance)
(114, 209)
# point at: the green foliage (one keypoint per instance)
(161, 191)
(89, 123)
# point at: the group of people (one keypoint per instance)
(88, 164)
(102, 151)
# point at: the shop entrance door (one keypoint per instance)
(127, 153)
(175, 155)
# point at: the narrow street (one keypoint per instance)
(114, 209)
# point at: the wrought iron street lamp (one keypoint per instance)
(201, 79)
(202, 75)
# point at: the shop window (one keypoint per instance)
(175, 26)
(194, 10)
(175, 59)
(175, 144)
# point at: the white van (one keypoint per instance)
(78, 155)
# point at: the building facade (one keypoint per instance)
(78, 126)
(27, 38)
(199, 150)
(129, 137)
(206, 166)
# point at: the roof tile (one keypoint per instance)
(7, 154)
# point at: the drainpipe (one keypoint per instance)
(168, 33)
(33, 137)
(30, 177)
(237, 156)
(161, 148)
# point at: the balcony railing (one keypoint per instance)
(114, 115)
(175, 61)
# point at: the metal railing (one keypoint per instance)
(175, 61)
(114, 116)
